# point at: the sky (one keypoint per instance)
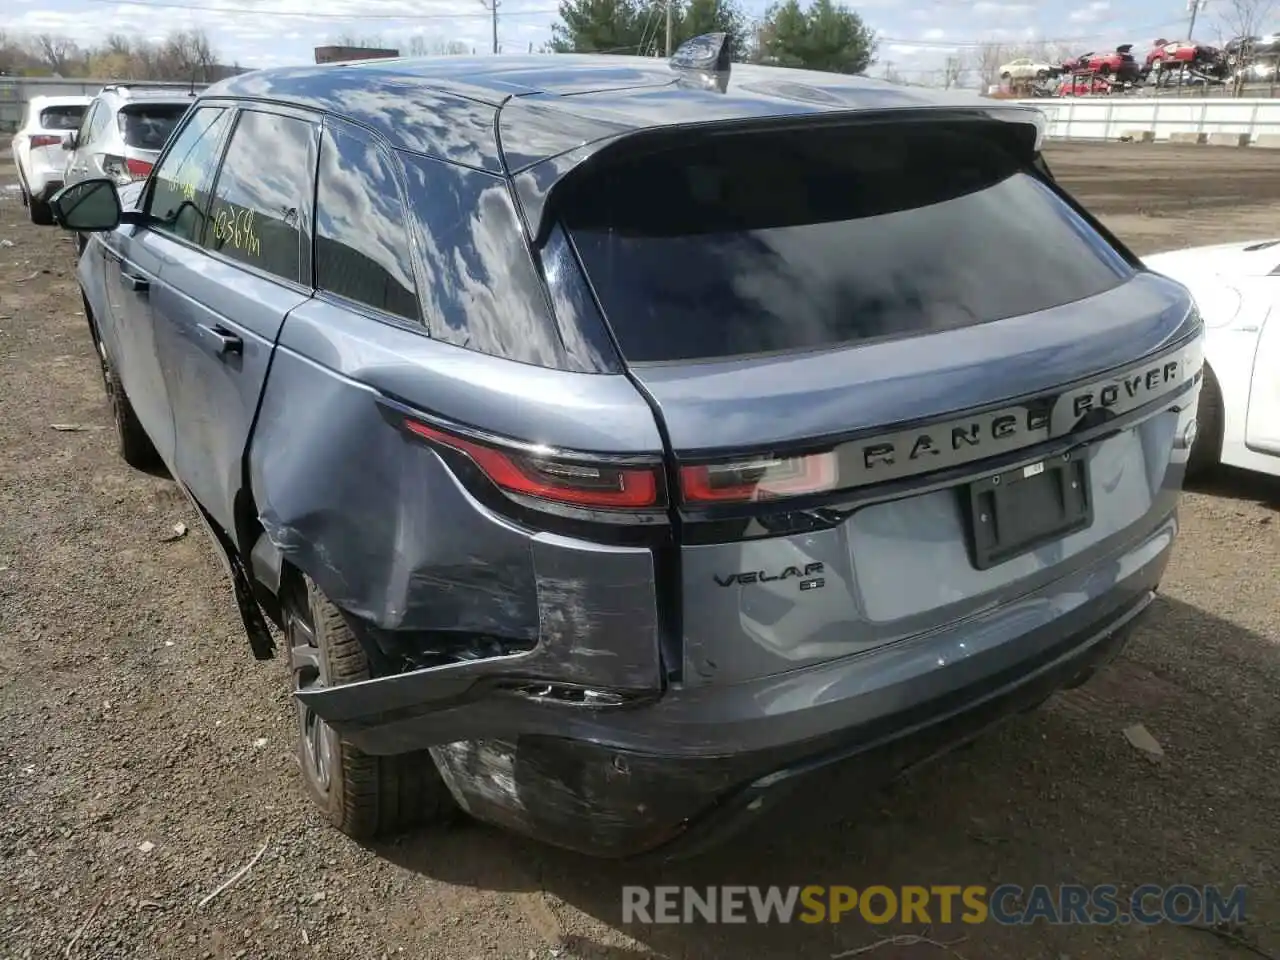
(916, 38)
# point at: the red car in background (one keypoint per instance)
(1083, 85)
(1119, 64)
(1173, 54)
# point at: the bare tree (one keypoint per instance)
(954, 71)
(420, 46)
(359, 43)
(985, 61)
(187, 55)
(893, 74)
(1244, 19)
(57, 53)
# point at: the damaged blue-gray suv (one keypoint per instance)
(620, 444)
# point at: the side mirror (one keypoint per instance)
(89, 206)
(68, 141)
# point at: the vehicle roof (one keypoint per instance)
(553, 103)
(125, 92)
(59, 100)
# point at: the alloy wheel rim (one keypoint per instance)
(316, 737)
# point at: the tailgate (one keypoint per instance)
(846, 334)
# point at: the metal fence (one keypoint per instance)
(1109, 118)
(15, 92)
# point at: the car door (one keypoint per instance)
(1262, 422)
(219, 306)
(176, 200)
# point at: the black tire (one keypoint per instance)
(136, 448)
(40, 213)
(364, 796)
(1206, 449)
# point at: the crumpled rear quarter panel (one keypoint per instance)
(391, 536)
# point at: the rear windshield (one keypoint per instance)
(62, 118)
(147, 126)
(752, 243)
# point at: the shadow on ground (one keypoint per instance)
(1234, 484)
(1058, 795)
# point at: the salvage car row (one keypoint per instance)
(583, 470)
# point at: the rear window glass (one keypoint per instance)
(757, 243)
(147, 127)
(62, 118)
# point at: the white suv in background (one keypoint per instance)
(38, 151)
(123, 131)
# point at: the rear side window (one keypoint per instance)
(755, 243)
(362, 237)
(180, 195)
(65, 117)
(147, 126)
(262, 192)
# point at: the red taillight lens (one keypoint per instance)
(759, 479)
(599, 486)
(45, 140)
(141, 169)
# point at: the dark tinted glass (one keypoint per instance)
(147, 126)
(482, 290)
(262, 192)
(362, 240)
(61, 118)
(755, 243)
(180, 196)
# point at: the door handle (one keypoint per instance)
(223, 341)
(134, 282)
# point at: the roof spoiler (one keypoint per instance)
(537, 185)
(703, 62)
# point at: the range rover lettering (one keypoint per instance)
(620, 445)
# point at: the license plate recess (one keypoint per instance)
(1014, 512)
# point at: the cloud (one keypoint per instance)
(991, 10)
(1094, 11)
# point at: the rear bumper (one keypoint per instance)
(683, 770)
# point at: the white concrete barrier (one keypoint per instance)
(1108, 118)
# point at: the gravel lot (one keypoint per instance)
(145, 756)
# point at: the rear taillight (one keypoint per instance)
(760, 478)
(125, 170)
(598, 486)
(44, 140)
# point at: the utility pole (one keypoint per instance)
(492, 6)
(669, 3)
(1194, 6)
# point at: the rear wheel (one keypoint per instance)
(1206, 449)
(362, 795)
(40, 213)
(136, 447)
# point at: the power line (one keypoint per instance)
(200, 8)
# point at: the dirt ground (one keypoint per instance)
(145, 757)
